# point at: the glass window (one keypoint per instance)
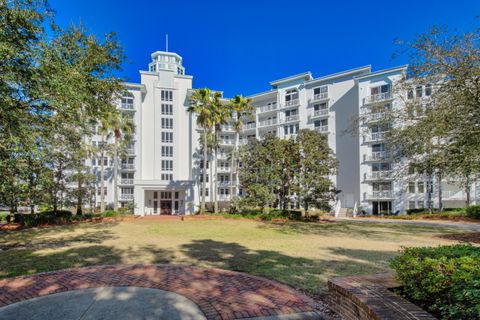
(421, 187)
(428, 90)
(411, 204)
(291, 95)
(418, 91)
(411, 187)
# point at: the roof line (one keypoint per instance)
(379, 72)
(306, 74)
(341, 73)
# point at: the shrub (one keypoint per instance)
(413, 211)
(473, 212)
(45, 217)
(3, 216)
(112, 213)
(443, 280)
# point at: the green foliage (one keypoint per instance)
(46, 217)
(473, 212)
(443, 280)
(112, 213)
(275, 171)
(3, 216)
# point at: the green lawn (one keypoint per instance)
(303, 255)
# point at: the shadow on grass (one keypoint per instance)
(373, 230)
(307, 274)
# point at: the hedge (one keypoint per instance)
(444, 281)
(473, 212)
(45, 217)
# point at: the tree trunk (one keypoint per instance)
(215, 200)
(440, 201)
(204, 172)
(102, 178)
(115, 173)
(467, 191)
(79, 196)
(429, 193)
(232, 168)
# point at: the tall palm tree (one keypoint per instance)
(239, 107)
(202, 104)
(123, 129)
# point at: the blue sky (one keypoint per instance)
(239, 46)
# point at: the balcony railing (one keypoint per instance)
(227, 128)
(291, 118)
(320, 96)
(224, 169)
(380, 175)
(291, 103)
(127, 166)
(269, 122)
(378, 97)
(322, 129)
(126, 197)
(320, 113)
(223, 197)
(224, 183)
(126, 181)
(379, 155)
(376, 136)
(242, 142)
(387, 194)
(249, 126)
(376, 116)
(127, 106)
(228, 142)
(130, 151)
(267, 108)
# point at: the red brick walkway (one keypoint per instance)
(220, 294)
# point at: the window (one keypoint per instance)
(99, 191)
(411, 187)
(428, 90)
(167, 151)
(418, 91)
(321, 92)
(421, 187)
(167, 165)
(320, 106)
(206, 178)
(380, 89)
(411, 204)
(165, 195)
(420, 204)
(166, 95)
(167, 177)
(127, 101)
(167, 109)
(201, 164)
(206, 192)
(155, 195)
(291, 95)
(410, 94)
(176, 194)
(167, 123)
(94, 162)
(321, 123)
(167, 137)
(224, 178)
(291, 129)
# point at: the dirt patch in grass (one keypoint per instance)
(472, 237)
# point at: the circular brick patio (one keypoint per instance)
(220, 294)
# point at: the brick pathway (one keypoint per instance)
(220, 294)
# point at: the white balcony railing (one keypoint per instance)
(126, 181)
(228, 142)
(291, 103)
(126, 106)
(267, 108)
(377, 136)
(380, 175)
(378, 97)
(249, 126)
(320, 96)
(320, 113)
(127, 166)
(126, 197)
(322, 129)
(227, 128)
(223, 183)
(223, 197)
(379, 155)
(130, 151)
(376, 116)
(223, 169)
(269, 122)
(291, 118)
(387, 194)
(242, 142)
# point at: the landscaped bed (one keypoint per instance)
(301, 254)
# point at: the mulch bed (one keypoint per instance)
(472, 237)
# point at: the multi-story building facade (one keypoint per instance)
(162, 172)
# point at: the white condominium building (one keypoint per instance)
(162, 172)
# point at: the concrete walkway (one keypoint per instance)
(105, 303)
(151, 291)
(424, 223)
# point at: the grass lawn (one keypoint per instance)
(303, 255)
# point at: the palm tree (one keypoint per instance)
(102, 148)
(123, 128)
(239, 106)
(203, 104)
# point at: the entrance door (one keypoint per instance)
(165, 207)
(155, 207)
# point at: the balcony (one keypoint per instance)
(319, 113)
(267, 108)
(130, 151)
(321, 129)
(227, 128)
(291, 118)
(378, 156)
(374, 117)
(376, 137)
(291, 103)
(319, 97)
(223, 183)
(227, 142)
(127, 107)
(242, 142)
(126, 197)
(127, 166)
(223, 169)
(223, 197)
(249, 126)
(126, 181)
(375, 98)
(380, 195)
(379, 175)
(267, 123)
